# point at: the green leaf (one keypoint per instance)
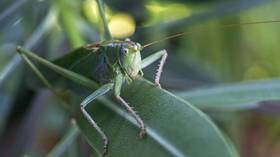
(232, 97)
(175, 127)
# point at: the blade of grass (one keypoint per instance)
(12, 67)
(13, 7)
(234, 97)
(42, 29)
(70, 23)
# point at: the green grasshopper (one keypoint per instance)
(116, 62)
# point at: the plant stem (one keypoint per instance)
(108, 35)
(70, 22)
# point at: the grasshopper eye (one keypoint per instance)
(125, 51)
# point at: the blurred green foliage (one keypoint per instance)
(199, 60)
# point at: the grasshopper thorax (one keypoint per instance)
(122, 55)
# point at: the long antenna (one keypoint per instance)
(203, 30)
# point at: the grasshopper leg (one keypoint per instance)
(37, 72)
(74, 77)
(101, 91)
(117, 89)
(151, 59)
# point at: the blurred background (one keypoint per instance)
(32, 121)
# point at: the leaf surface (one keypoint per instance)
(174, 126)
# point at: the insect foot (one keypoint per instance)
(105, 147)
(158, 84)
(142, 133)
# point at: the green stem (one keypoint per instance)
(108, 35)
(70, 22)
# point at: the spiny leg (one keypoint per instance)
(117, 89)
(159, 70)
(151, 59)
(100, 91)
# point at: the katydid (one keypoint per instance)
(116, 62)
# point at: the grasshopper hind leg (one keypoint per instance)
(102, 90)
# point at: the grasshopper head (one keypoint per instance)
(130, 58)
